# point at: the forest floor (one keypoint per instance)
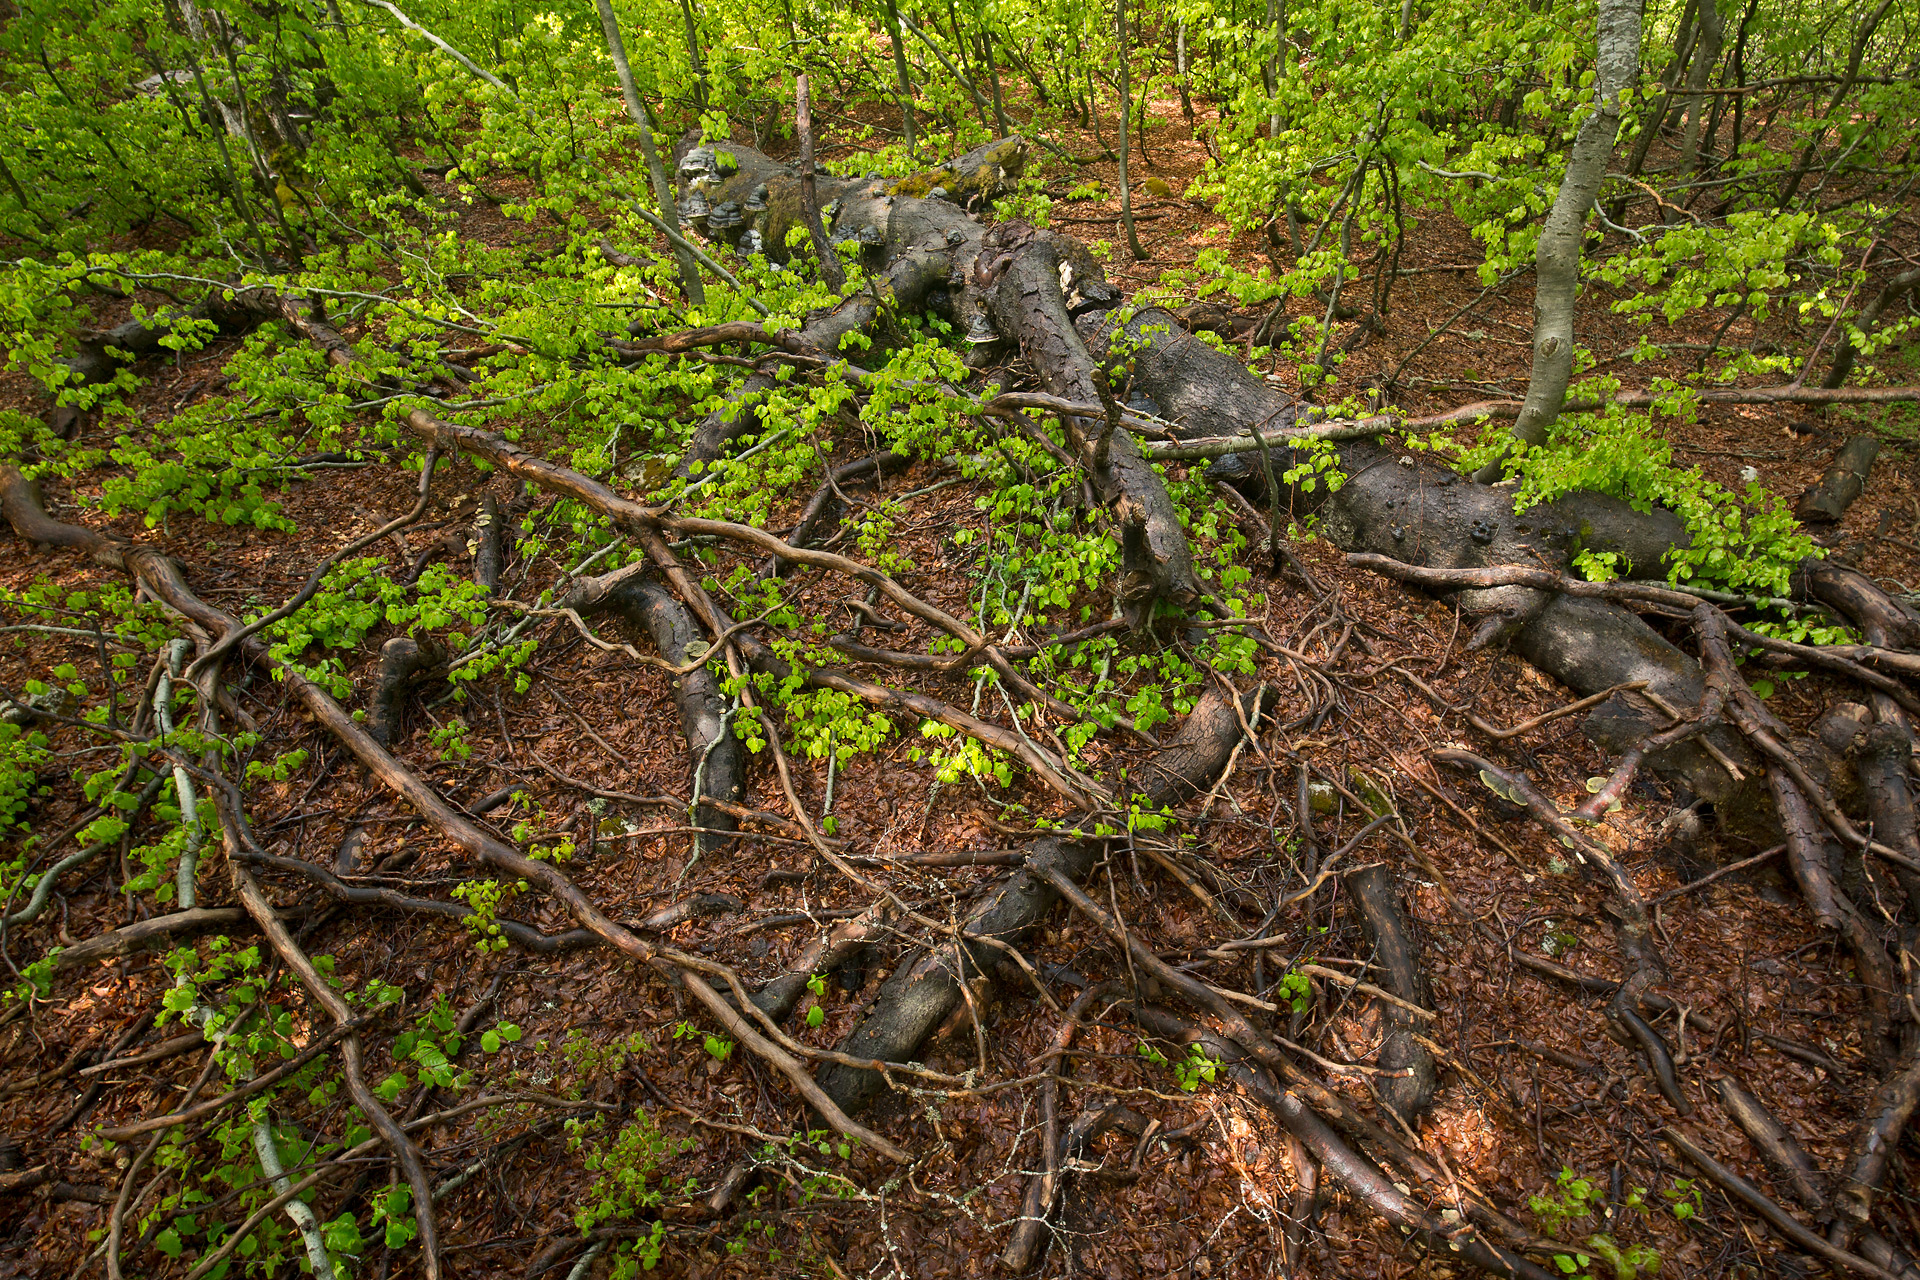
(1531, 1084)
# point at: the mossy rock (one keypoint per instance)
(921, 184)
(982, 173)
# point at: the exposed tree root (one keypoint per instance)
(1030, 1232)
(1408, 1090)
(925, 992)
(717, 760)
(1339, 1160)
(162, 577)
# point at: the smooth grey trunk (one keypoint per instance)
(1180, 70)
(900, 71)
(662, 190)
(1706, 56)
(1126, 108)
(993, 82)
(1557, 257)
(1840, 92)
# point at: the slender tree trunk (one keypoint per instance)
(231, 128)
(899, 35)
(809, 201)
(1892, 292)
(1141, 117)
(1180, 70)
(1126, 106)
(1653, 119)
(1276, 68)
(232, 118)
(1557, 258)
(1740, 77)
(968, 74)
(662, 190)
(1706, 57)
(1840, 92)
(1677, 74)
(694, 58)
(1083, 108)
(1093, 122)
(993, 82)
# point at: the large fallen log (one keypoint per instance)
(1400, 505)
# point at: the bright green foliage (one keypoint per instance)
(486, 897)
(23, 753)
(1748, 543)
(1193, 1069)
(1572, 1201)
(1295, 991)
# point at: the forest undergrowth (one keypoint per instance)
(643, 845)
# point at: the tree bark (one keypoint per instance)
(662, 189)
(823, 251)
(1706, 56)
(1843, 359)
(1557, 258)
(899, 37)
(1126, 109)
(716, 761)
(1826, 501)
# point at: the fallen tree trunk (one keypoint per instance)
(1827, 500)
(1028, 301)
(1398, 505)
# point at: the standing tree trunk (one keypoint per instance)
(1739, 77)
(1706, 56)
(1843, 359)
(1654, 118)
(993, 82)
(1126, 107)
(809, 200)
(1276, 68)
(694, 60)
(662, 191)
(1557, 258)
(899, 37)
(1180, 70)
